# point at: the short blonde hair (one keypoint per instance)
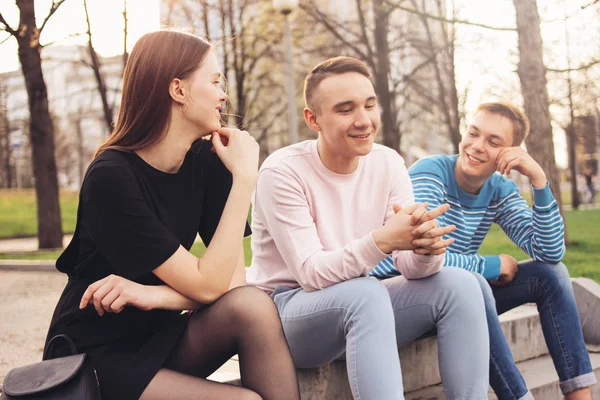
(514, 114)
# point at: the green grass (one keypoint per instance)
(565, 195)
(583, 253)
(18, 212)
(198, 249)
(33, 255)
(18, 219)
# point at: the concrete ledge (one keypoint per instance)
(523, 332)
(327, 382)
(587, 296)
(521, 327)
(419, 359)
(539, 374)
(28, 265)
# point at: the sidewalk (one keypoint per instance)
(23, 245)
(27, 301)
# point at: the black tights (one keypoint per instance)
(243, 321)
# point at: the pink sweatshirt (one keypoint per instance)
(312, 227)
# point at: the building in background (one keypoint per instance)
(76, 109)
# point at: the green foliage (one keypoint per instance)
(18, 219)
(198, 249)
(582, 257)
(32, 255)
(18, 212)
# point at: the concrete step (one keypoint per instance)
(539, 374)
(521, 327)
(419, 359)
(228, 372)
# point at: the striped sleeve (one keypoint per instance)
(407, 263)
(429, 188)
(488, 266)
(538, 231)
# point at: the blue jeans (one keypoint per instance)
(367, 320)
(549, 287)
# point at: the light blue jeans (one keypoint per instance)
(367, 320)
(549, 287)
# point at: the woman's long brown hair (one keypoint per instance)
(156, 59)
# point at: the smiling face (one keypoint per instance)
(205, 96)
(346, 118)
(487, 134)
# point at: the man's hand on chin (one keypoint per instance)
(518, 159)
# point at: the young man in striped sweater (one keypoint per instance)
(478, 197)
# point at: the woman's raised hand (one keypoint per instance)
(238, 151)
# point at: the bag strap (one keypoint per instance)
(69, 341)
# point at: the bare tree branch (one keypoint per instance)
(590, 4)
(7, 27)
(53, 9)
(5, 39)
(453, 20)
(96, 68)
(327, 23)
(427, 61)
(363, 29)
(68, 36)
(581, 67)
(268, 125)
(125, 23)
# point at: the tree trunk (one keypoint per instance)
(108, 112)
(385, 96)
(7, 150)
(223, 12)
(5, 139)
(125, 23)
(204, 4)
(453, 98)
(571, 134)
(571, 149)
(532, 74)
(80, 149)
(444, 74)
(41, 130)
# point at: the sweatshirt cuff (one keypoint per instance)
(491, 267)
(369, 252)
(542, 197)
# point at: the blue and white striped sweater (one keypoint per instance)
(539, 230)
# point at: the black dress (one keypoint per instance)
(132, 218)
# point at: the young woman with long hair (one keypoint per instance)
(152, 187)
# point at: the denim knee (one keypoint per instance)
(555, 274)
(486, 291)
(365, 298)
(461, 290)
(366, 292)
(552, 277)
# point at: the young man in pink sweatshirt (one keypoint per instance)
(325, 213)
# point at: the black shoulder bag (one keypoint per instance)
(65, 378)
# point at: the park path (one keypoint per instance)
(25, 244)
(31, 244)
(27, 301)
